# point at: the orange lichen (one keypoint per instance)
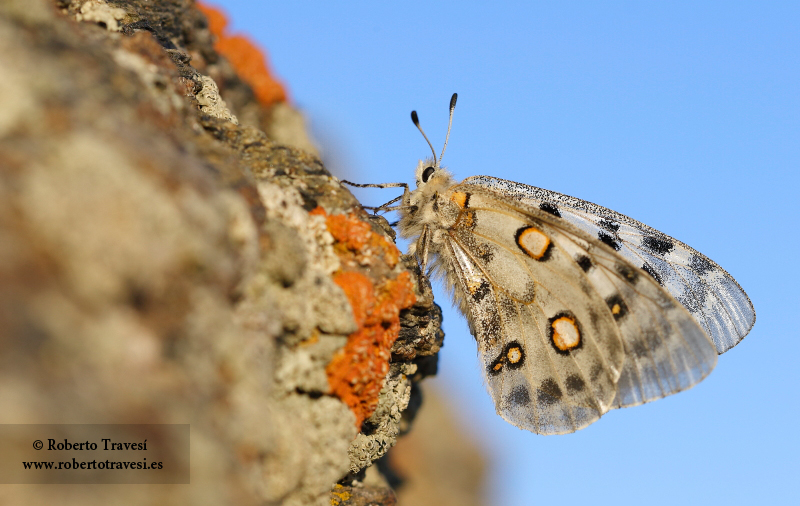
(356, 372)
(348, 231)
(216, 19)
(356, 236)
(360, 292)
(249, 62)
(394, 295)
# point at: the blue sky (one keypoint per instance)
(685, 116)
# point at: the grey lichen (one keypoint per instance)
(161, 263)
(384, 424)
(98, 11)
(211, 103)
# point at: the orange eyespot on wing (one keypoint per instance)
(533, 242)
(617, 306)
(564, 333)
(512, 356)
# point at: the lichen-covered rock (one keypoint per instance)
(169, 255)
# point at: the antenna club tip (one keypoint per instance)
(453, 100)
(415, 118)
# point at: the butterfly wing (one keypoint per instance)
(534, 385)
(566, 328)
(666, 351)
(704, 288)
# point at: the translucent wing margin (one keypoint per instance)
(704, 288)
(666, 351)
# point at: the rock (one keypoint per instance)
(162, 262)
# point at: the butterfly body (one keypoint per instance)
(576, 309)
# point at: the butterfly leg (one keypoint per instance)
(422, 250)
(387, 205)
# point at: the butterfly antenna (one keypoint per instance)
(415, 119)
(449, 124)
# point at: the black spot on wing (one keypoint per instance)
(519, 396)
(593, 316)
(617, 306)
(608, 239)
(481, 292)
(700, 264)
(497, 366)
(650, 270)
(694, 300)
(652, 339)
(609, 225)
(549, 392)
(550, 208)
(688, 301)
(484, 252)
(575, 384)
(630, 275)
(584, 262)
(639, 348)
(656, 245)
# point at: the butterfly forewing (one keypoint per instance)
(706, 290)
(666, 350)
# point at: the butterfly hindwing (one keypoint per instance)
(532, 268)
(535, 385)
(551, 354)
(704, 288)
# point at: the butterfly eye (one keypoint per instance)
(427, 174)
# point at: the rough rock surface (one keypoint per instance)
(164, 260)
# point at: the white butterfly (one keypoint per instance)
(576, 309)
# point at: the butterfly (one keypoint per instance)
(576, 309)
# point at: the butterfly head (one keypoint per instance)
(432, 181)
(421, 207)
(430, 175)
